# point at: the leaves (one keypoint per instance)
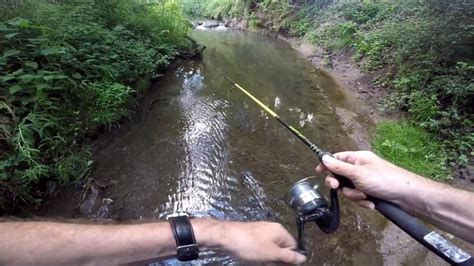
(31, 64)
(7, 77)
(77, 75)
(20, 22)
(51, 51)
(14, 89)
(11, 35)
(65, 72)
(10, 52)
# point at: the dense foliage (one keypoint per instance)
(422, 48)
(67, 70)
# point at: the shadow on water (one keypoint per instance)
(200, 146)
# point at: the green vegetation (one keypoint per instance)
(68, 70)
(412, 148)
(422, 48)
(217, 9)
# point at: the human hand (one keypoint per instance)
(259, 242)
(371, 175)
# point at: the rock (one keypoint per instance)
(51, 188)
(103, 211)
(89, 203)
(211, 24)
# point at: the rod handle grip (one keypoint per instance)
(418, 231)
(411, 225)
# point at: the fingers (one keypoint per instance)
(282, 237)
(340, 167)
(356, 156)
(321, 168)
(366, 204)
(286, 243)
(332, 182)
(287, 255)
(280, 246)
(346, 156)
(353, 194)
(359, 197)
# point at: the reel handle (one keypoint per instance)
(413, 227)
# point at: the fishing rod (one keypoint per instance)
(315, 208)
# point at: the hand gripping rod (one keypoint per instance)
(412, 226)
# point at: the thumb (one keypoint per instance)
(339, 167)
(287, 255)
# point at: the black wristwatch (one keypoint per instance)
(186, 246)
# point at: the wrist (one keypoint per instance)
(208, 233)
(412, 196)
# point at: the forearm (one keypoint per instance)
(61, 243)
(446, 207)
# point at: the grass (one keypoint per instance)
(412, 148)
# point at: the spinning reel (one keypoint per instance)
(311, 206)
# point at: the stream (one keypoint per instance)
(196, 144)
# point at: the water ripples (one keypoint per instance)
(205, 186)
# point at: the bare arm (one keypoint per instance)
(61, 243)
(446, 207)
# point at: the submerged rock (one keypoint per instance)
(211, 24)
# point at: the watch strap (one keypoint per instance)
(187, 248)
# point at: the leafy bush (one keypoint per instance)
(365, 12)
(67, 70)
(412, 148)
(432, 83)
(300, 27)
(341, 35)
(216, 9)
(109, 102)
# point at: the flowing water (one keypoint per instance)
(197, 144)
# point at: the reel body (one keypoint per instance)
(310, 206)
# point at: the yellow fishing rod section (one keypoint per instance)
(312, 146)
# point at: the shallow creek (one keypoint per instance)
(197, 145)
